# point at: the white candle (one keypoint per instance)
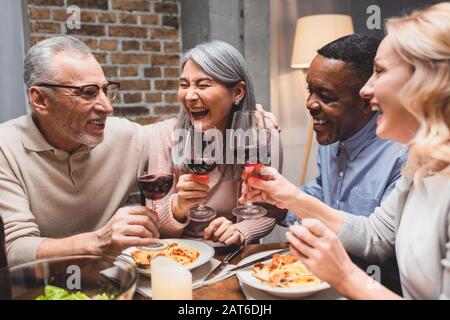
(170, 280)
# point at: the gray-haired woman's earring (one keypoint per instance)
(236, 102)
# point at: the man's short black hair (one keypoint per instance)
(358, 50)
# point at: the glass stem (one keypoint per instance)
(241, 181)
(142, 196)
(202, 204)
(248, 191)
(248, 188)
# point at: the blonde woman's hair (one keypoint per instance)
(422, 39)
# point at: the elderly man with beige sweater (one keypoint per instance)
(66, 169)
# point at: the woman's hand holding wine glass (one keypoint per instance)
(199, 163)
(268, 185)
(191, 191)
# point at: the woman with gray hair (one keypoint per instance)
(214, 84)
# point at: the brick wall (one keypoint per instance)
(137, 42)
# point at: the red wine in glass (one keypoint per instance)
(249, 153)
(251, 159)
(200, 168)
(248, 125)
(155, 187)
(200, 165)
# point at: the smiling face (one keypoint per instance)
(206, 100)
(338, 111)
(383, 90)
(70, 120)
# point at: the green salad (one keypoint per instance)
(56, 293)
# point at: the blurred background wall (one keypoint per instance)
(137, 42)
(13, 25)
(245, 24)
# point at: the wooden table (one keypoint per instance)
(228, 289)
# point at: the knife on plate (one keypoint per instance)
(262, 259)
(214, 272)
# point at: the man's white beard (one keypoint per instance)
(76, 135)
(89, 140)
(82, 137)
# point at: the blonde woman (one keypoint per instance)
(411, 88)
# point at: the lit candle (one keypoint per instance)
(170, 280)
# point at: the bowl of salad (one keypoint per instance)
(82, 277)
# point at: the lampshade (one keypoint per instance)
(313, 32)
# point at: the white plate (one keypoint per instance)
(246, 277)
(206, 253)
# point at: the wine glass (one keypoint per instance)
(200, 162)
(154, 187)
(251, 144)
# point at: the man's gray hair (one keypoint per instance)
(38, 61)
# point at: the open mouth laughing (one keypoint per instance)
(199, 113)
(320, 124)
(377, 108)
(98, 123)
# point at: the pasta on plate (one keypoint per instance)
(285, 271)
(182, 255)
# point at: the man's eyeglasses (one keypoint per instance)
(89, 91)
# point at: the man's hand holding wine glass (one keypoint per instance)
(130, 226)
